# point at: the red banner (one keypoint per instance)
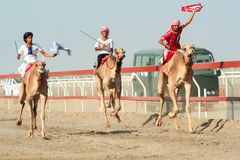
(191, 7)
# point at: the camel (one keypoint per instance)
(177, 73)
(34, 87)
(108, 77)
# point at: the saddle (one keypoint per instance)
(104, 59)
(169, 56)
(29, 67)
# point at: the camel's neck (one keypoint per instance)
(34, 76)
(183, 58)
(178, 58)
(119, 65)
(188, 61)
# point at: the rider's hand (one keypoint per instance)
(104, 46)
(54, 55)
(167, 46)
(196, 10)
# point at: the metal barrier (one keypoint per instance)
(78, 82)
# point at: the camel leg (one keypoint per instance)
(175, 110)
(117, 95)
(35, 104)
(31, 131)
(159, 120)
(111, 102)
(104, 108)
(22, 97)
(161, 81)
(43, 106)
(173, 95)
(118, 108)
(101, 92)
(187, 108)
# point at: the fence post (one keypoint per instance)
(199, 95)
(65, 105)
(8, 104)
(205, 105)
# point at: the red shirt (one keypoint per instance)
(173, 38)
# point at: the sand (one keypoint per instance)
(84, 136)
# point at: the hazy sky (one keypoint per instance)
(134, 25)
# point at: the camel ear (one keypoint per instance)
(115, 50)
(184, 46)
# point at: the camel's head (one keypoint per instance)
(41, 66)
(188, 48)
(120, 53)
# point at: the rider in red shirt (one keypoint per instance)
(170, 40)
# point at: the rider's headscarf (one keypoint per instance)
(175, 22)
(104, 29)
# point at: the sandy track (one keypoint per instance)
(83, 136)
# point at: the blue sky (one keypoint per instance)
(134, 25)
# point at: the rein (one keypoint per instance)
(109, 66)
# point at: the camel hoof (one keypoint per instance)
(191, 131)
(30, 134)
(44, 137)
(113, 114)
(158, 123)
(19, 122)
(118, 118)
(107, 126)
(172, 115)
(107, 106)
(177, 129)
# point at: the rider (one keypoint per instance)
(29, 50)
(170, 40)
(104, 45)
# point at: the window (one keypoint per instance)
(138, 60)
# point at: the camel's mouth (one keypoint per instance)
(41, 67)
(41, 70)
(190, 53)
(120, 53)
(123, 55)
(190, 50)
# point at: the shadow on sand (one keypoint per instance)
(211, 122)
(10, 119)
(152, 119)
(116, 132)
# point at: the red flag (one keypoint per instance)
(191, 7)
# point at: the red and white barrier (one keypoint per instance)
(219, 65)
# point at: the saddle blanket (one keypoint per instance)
(104, 59)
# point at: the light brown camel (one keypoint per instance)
(34, 87)
(108, 78)
(177, 73)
